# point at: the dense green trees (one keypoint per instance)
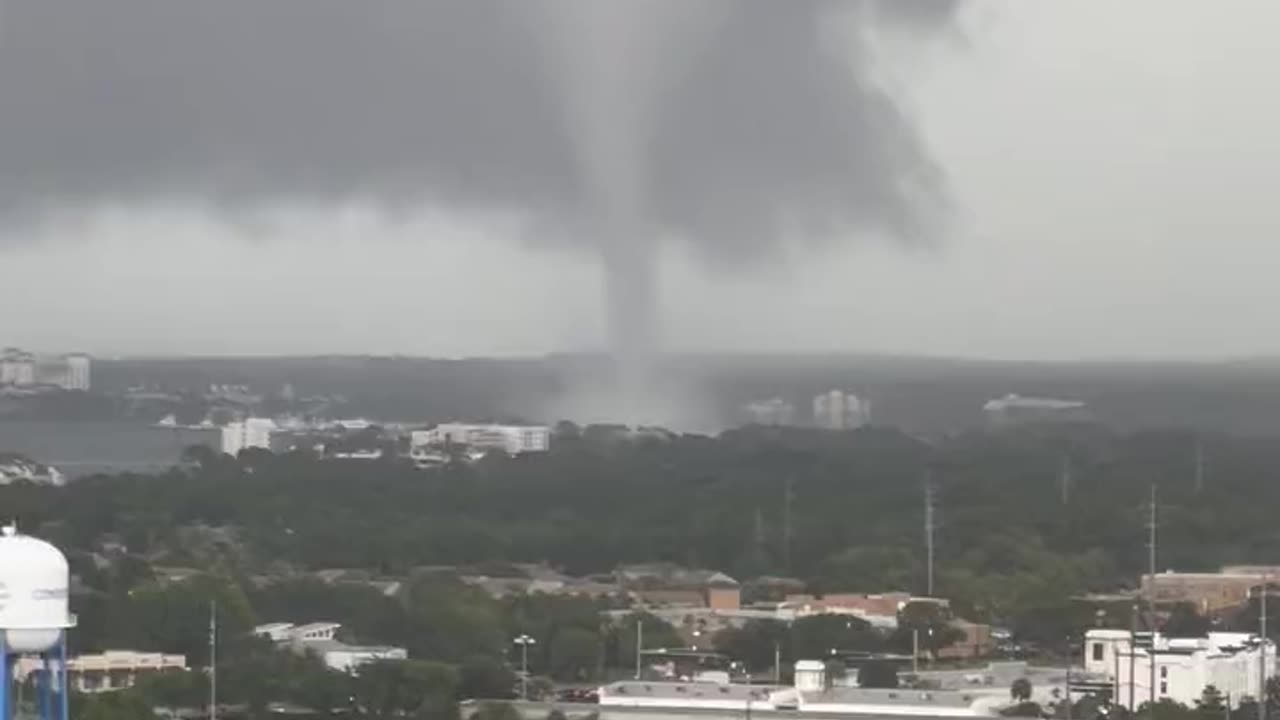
(841, 511)
(878, 674)
(127, 705)
(756, 643)
(1007, 540)
(459, 639)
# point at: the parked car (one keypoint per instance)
(578, 695)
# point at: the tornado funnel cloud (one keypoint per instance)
(736, 127)
(613, 64)
(630, 272)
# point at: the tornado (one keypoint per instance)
(613, 64)
(739, 129)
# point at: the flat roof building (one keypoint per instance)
(1207, 592)
(110, 670)
(1183, 667)
(320, 639)
(514, 439)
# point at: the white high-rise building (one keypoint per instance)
(78, 370)
(838, 410)
(249, 433)
(23, 369)
(17, 368)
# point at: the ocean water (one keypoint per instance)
(84, 448)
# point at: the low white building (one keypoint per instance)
(1013, 409)
(348, 658)
(838, 410)
(514, 439)
(283, 632)
(1184, 667)
(775, 412)
(108, 671)
(247, 433)
(320, 639)
(275, 632)
(810, 695)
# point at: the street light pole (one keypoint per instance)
(639, 645)
(1133, 652)
(524, 641)
(1068, 680)
(1262, 648)
(1151, 596)
(213, 660)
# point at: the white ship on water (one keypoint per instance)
(170, 422)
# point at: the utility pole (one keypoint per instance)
(758, 538)
(1065, 479)
(928, 532)
(213, 660)
(639, 644)
(1151, 589)
(787, 496)
(777, 663)
(1133, 652)
(1262, 648)
(1067, 682)
(1115, 659)
(1199, 465)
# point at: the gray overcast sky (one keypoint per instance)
(1113, 169)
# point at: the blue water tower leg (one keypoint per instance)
(44, 676)
(63, 684)
(40, 673)
(6, 679)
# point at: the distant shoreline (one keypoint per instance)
(89, 447)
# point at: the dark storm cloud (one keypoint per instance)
(258, 102)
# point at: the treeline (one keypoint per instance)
(1023, 520)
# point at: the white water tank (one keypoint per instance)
(33, 593)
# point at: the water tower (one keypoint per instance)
(33, 619)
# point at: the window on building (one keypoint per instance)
(1164, 672)
(1164, 688)
(1097, 651)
